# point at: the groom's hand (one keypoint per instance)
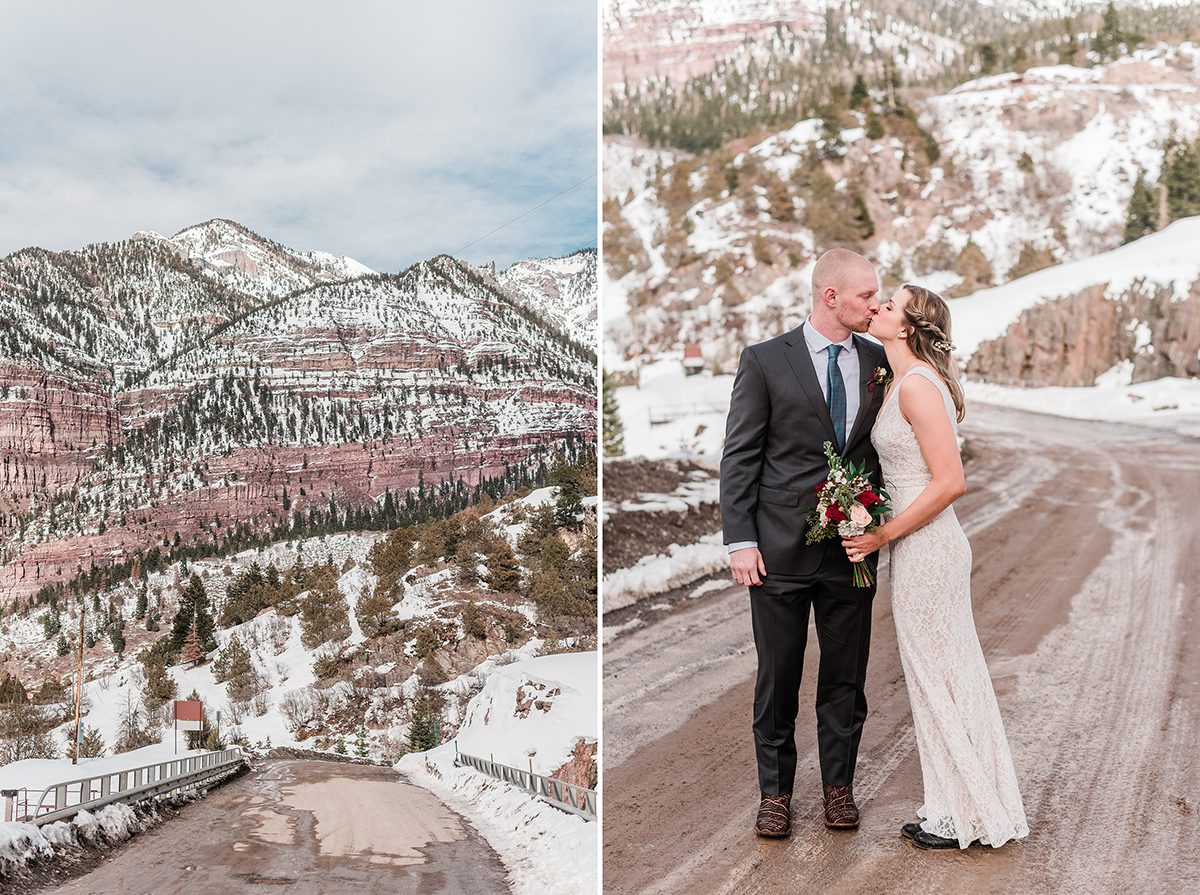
(747, 565)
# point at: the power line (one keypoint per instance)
(523, 214)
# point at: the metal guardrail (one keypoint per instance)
(660, 414)
(567, 796)
(63, 800)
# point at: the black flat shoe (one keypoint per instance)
(921, 839)
(909, 830)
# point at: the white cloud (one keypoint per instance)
(386, 131)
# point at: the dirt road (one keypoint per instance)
(1085, 539)
(305, 827)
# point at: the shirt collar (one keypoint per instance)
(818, 343)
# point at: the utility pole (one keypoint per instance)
(79, 683)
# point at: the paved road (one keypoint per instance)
(304, 827)
(1085, 541)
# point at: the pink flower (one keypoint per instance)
(860, 515)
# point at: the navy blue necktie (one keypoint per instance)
(837, 396)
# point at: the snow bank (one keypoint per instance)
(23, 843)
(662, 572)
(1169, 403)
(545, 849)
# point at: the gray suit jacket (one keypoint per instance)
(774, 459)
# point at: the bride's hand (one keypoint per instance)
(863, 546)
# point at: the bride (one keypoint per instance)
(970, 785)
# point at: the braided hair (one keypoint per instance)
(927, 322)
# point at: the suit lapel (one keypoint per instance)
(800, 361)
(868, 401)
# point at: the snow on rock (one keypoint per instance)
(1169, 257)
(532, 711)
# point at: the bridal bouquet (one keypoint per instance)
(847, 506)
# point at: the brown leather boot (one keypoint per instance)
(774, 819)
(840, 811)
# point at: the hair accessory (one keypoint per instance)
(943, 346)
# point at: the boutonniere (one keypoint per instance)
(879, 377)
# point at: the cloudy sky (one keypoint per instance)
(387, 131)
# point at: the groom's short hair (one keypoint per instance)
(833, 269)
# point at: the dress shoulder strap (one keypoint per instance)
(942, 388)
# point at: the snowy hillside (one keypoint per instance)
(370, 643)
(541, 713)
(977, 186)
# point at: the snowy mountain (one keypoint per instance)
(164, 392)
(559, 289)
(979, 185)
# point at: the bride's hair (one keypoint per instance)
(927, 320)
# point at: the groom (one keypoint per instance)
(792, 394)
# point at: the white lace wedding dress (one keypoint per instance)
(970, 784)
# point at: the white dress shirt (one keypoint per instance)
(818, 353)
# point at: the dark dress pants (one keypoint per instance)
(779, 611)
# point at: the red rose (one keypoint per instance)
(868, 499)
(835, 514)
(821, 487)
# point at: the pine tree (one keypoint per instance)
(504, 573)
(142, 603)
(361, 748)
(614, 431)
(51, 623)
(62, 645)
(422, 732)
(116, 636)
(192, 651)
(1181, 175)
(160, 686)
(91, 743)
(340, 748)
(874, 126)
(1110, 37)
(858, 93)
(1142, 216)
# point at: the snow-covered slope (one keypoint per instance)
(532, 713)
(1169, 258)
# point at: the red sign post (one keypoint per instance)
(189, 715)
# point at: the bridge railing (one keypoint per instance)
(62, 800)
(567, 796)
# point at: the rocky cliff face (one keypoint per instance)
(158, 391)
(1142, 334)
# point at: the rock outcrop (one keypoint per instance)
(1074, 340)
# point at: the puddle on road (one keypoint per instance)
(269, 826)
(381, 821)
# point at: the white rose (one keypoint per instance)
(860, 515)
(848, 529)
